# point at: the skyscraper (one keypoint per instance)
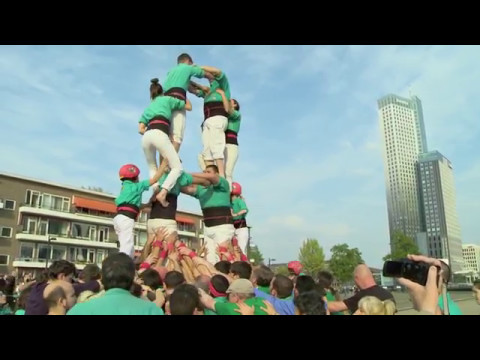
(403, 134)
(439, 208)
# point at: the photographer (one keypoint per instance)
(429, 299)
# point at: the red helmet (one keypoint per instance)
(129, 171)
(236, 189)
(295, 266)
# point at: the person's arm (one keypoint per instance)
(189, 190)
(188, 105)
(156, 177)
(204, 88)
(213, 178)
(226, 104)
(207, 301)
(200, 181)
(212, 70)
(142, 128)
(337, 306)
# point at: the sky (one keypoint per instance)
(310, 149)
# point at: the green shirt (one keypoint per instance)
(331, 297)
(453, 308)
(220, 82)
(228, 308)
(238, 205)
(180, 75)
(184, 180)
(218, 300)
(234, 122)
(214, 195)
(116, 302)
(264, 289)
(161, 106)
(131, 192)
(20, 312)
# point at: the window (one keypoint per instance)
(4, 259)
(103, 234)
(84, 231)
(26, 251)
(6, 232)
(43, 251)
(9, 205)
(30, 225)
(142, 238)
(57, 227)
(57, 203)
(33, 198)
(59, 253)
(100, 257)
(91, 256)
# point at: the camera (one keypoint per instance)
(408, 269)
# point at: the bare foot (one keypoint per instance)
(162, 198)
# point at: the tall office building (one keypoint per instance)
(403, 134)
(471, 257)
(439, 208)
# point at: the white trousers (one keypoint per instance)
(213, 137)
(214, 236)
(177, 128)
(154, 224)
(156, 140)
(231, 157)
(124, 227)
(242, 237)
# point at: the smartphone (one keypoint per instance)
(408, 269)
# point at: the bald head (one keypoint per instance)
(203, 282)
(363, 277)
(57, 290)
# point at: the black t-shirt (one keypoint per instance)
(375, 291)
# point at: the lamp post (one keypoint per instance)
(49, 250)
(270, 261)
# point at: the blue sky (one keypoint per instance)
(310, 156)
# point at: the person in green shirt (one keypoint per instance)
(239, 213)
(216, 104)
(217, 216)
(176, 85)
(325, 280)
(128, 205)
(118, 273)
(239, 291)
(218, 287)
(156, 118)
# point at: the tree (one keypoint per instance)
(311, 256)
(343, 262)
(402, 245)
(254, 253)
(282, 270)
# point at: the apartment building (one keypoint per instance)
(42, 221)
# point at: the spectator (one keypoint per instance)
(218, 291)
(241, 270)
(202, 282)
(364, 280)
(22, 301)
(185, 300)
(370, 305)
(304, 283)
(310, 303)
(262, 278)
(118, 272)
(223, 266)
(4, 307)
(59, 297)
(281, 295)
(476, 291)
(325, 280)
(91, 272)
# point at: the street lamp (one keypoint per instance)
(49, 250)
(270, 261)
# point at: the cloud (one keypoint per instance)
(310, 156)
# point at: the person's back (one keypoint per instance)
(118, 273)
(116, 302)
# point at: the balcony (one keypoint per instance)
(37, 263)
(66, 241)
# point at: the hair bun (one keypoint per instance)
(155, 81)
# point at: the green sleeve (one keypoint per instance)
(197, 72)
(185, 180)
(225, 308)
(176, 104)
(148, 114)
(242, 205)
(235, 116)
(143, 120)
(222, 185)
(143, 185)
